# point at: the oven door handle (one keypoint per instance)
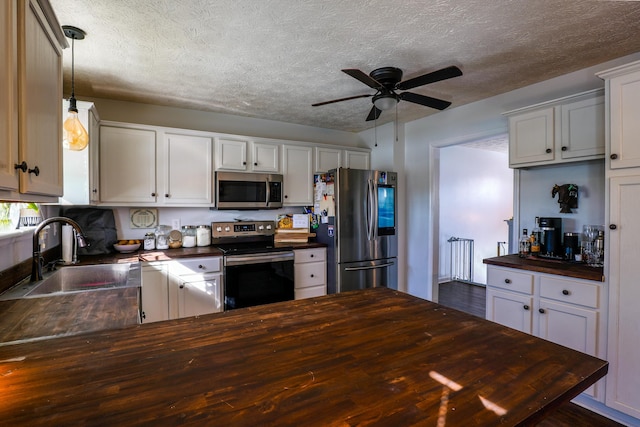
(258, 258)
(369, 267)
(268, 192)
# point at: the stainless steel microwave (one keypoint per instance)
(238, 190)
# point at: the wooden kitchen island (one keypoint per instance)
(373, 357)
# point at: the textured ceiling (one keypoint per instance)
(272, 59)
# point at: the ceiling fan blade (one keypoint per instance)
(436, 76)
(373, 114)
(364, 78)
(340, 100)
(427, 101)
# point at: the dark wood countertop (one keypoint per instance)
(375, 356)
(561, 268)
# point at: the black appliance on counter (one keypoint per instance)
(255, 271)
(551, 237)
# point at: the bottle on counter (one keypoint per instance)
(149, 241)
(188, 236)
(524, 247)
(162, 236)
(203, 235)
(535, 238)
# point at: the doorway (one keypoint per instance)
(475, 204)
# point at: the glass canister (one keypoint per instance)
(188, 236)
(149, 241)
(175, 239)
(203, 235)
(162, 236)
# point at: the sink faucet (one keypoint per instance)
(36, 264)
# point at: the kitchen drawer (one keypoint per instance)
(310, 255)
(310, 274)
(507, 278)
(570, 291)
(196, 266)
(314, 291)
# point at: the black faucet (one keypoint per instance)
(37, 262)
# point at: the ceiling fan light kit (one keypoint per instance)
(387, 80)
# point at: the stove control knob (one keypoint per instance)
(261, 227)
(268, 227)
(227, 229)
(219, 229)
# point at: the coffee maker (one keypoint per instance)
(550, 237)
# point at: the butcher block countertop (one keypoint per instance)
(540, 265)
(371, 357)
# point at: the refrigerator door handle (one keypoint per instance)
(372, 267)
(370, 210)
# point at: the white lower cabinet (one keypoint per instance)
(310, 272)
(563, 310)
(181, 288)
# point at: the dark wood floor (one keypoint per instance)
(471, 298)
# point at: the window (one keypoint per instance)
(22, 214)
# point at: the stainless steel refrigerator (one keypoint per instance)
(361, 235)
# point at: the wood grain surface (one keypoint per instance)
(372, 357)
(579, 270)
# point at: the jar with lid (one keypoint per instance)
(149, 241)
(175, 239)
(188, 236)
(203, 235)
(162, 236)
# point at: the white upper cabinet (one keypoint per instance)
(357, 159)
(623, 86)
(246, 156)
(188, 173)
(297, 170)
(565, 130)
(127, 165)
(265, 157)
(31, 42)
(231, 154)
(150, 165)
(327, 159)
(8, 96)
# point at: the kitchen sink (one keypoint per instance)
(83, 278)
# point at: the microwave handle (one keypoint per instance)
(268, 192)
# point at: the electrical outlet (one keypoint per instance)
(175, 224)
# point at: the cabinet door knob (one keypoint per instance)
(311, 256)
(613, 156)
(181, 285)
(541, 310)
(564, 148)
(35, 171)
(507, 281)
(95, 190)
(201, 267)
(312, 275)
(548, 150)
(167, 195)
(255, 163)
(244, 163)
(22, 166)
(285, 196)
(526, 307)
(153, 194)
(612, 226)
(565, 292)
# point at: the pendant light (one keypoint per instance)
(75, 135)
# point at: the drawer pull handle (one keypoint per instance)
(565, 292)
(526, 307)
(541, 310)
(507, 281)
(311, 256)
(201, 267)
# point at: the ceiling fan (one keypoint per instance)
(387, 80)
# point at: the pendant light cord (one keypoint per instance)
(73, 39)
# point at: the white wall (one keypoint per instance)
(535, 194)
(475, 197)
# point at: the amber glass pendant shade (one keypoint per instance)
(76, 137)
